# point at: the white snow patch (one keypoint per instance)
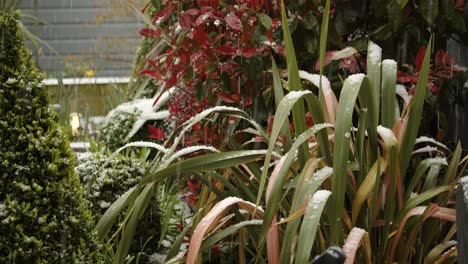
(374, 53)
(355, 78)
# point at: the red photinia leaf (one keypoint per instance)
(256, 4)
(420, 58)
(199, 34)
(433, 88)
(328, 59)
(150, 33)
(247, 101)
(218, 38)
(151, 62)
(151, 73)
(350, 64)
(309, 121)
(269, 35)
(186, 21)
(442, 58)
(234, 22)
(192, 11)
(403, 77)
(211, 3)
(156, 133)
(249, 52)
(246, 35)
(201, 20)
(459, 4)
(229, 66)
(228, 98)
(164, 14)
(276, 23)
(225, 50)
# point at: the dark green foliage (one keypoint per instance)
(43, 218)
(112, 179)
(117, 125)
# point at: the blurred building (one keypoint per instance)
(82, 38)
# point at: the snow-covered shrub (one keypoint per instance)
(126, 122)
(43, 216)
(111, 178)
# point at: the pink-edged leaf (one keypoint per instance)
(211, 219)
(442, 213)
(150, 33)
(352, 244)
(249, 52)
(273, 233)
(420, 58)
(225, 50)
(234, 22)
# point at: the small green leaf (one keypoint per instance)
(265, 20)
(309, 22)
(429, 10)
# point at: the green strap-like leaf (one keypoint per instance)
(294, 82)
(310, 225)
(205, 163)
(415, 113)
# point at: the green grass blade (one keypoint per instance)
(314, 106)
(279, 95)
(389, 73)
(415, 112)
(310, 225)
(323, 46)
(294, 82)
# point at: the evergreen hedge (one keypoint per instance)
(43, 216)
(112, 177)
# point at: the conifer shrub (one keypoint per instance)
(43, 216)
(112, 177)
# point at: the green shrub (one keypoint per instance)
(112, 178)
(43, 218)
